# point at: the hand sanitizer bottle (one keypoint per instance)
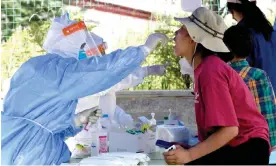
(152, 121)
(170, 115)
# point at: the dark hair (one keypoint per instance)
(253, 17)
(226, 57)
(238, 40)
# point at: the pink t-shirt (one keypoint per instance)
(223, 99)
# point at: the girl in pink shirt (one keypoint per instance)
(231, 130)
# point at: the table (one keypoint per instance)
(152, 162)
(162, 162)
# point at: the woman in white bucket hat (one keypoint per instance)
(231, 130)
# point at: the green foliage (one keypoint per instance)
(172, 79)
(38, 31)
(17, 13)
(18, 49)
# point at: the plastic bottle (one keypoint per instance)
(170, 115)
(105, 121)
(102, 136)
(170, 120)
(94, 149)
(94, 140)
(152, 121)
(99, 140)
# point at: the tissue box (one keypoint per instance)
(125, 142)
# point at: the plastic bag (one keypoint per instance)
(109, 160)
(141, 157)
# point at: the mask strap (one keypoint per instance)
(193, 63)
(193, 58)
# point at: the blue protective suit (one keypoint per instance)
(40, 105)
(265, 54)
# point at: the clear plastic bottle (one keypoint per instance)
(105, 121)
(152, 120)
(102, 136)
(94, 148)
(99, 141)
(170, 115)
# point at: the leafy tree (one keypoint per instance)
(18, 49)
(15, 13)
(172, 78)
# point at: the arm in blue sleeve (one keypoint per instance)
(93, 75)
(132, 80)
(71, 131)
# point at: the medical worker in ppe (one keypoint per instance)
(106, 101)
(39, 108)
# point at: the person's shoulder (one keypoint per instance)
(41, 57)
(213, 66)
(259, 37)
(257, 74)
(214, 63)
(51, 58)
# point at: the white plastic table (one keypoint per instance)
(272, 160)
(152, 162)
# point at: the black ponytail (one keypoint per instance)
(253, 17)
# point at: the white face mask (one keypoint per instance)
(185, 67)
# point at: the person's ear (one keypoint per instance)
(191, 41)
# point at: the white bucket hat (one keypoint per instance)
(207, 28)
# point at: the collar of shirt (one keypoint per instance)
(238, 64)
(242, 22)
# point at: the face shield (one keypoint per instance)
(78, 36)
(100, 45)
(72, 39)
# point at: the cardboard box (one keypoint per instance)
(125, 142)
